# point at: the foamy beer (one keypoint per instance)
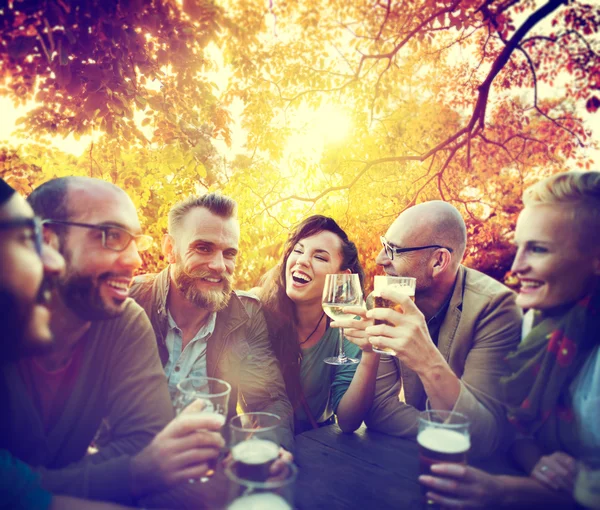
(275, 493)
(253, 458)
(260, 501)
(443, 438)
(402, 284)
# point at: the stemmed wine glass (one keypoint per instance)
(341, 290)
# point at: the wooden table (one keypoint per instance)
(365, 470)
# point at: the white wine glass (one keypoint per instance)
(341, 290)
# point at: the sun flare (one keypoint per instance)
(312, 130)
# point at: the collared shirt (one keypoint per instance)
(192, 361)
(434, 324)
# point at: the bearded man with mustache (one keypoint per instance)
(203, 327)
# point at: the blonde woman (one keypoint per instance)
(553, 392)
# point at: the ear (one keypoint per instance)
(346, 271)
(440, 262)
(168, 248)
(51, 238)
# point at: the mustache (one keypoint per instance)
(201, 273)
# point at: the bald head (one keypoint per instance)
(54, 199)
(435, 222)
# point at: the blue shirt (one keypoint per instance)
(191, 361)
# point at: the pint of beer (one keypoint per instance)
(443, 437)
(253, 458)
(402, 284)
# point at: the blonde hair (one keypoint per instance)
(581, 191)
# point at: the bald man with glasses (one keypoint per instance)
(451, 342)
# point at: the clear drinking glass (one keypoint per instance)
(341, 290)
(207, 395)
(254, 444)
(404, 284)
(443, 437)
(276, 493)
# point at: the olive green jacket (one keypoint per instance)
(238, 351)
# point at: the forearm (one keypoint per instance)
(357, 400)
(525, 492)
(526, 452)
(441, 385)
(68, 503)
(108, 481)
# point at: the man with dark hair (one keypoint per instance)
(103, 366)
(450, 344)
(202, 327)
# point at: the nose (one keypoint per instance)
(382, 258)
(217, 262)
(520, 264)
(53, 262)
(130, 257)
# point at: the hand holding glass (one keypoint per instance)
(405, 285)
(254, 444)
(203, 395)
(341, 290)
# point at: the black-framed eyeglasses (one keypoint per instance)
(34, 224)
(113, 238)
(390, 250)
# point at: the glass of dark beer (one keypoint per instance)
(203, 395)
(403, 284)
(275, 493)
(443, 438)
(254, 444)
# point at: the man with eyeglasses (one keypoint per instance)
(103, 367)
(451, 342)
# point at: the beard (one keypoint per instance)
(212, 300)
(81, 293)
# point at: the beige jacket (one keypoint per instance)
(481, 326)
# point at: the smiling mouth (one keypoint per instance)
(530, 284)
(301, 278)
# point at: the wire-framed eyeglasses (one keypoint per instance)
(113, 238)
(391, 250)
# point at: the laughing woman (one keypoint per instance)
(554, 390)
(300, 332)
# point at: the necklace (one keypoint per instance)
(313, 331)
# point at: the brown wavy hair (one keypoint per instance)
(279, 309)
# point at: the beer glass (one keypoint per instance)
(254, 444)
(403, 284)
(341, 290)
(276, 493)
(207, 395)
(443, 437)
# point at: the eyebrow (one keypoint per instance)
(319, 250)
(120, 225)
(210, 243)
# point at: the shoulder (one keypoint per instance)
(485, 286)
(142, 282)
(132, 323)
(249, 301)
